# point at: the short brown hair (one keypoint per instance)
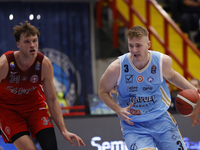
(137, 31)
(27, 29)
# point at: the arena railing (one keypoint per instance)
(147, 22)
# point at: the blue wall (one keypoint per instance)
(65, 30)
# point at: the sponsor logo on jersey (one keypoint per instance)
(7, 130)
(147, 88)
(20, 91)
(12, 72)
(140, 78)
(174, 137)
(34, 78)
(135, 112)
(129, 78)
(12, 65)
(150, 79)
(132, 88)
(153, 69)
(146, 99)
(37, 65)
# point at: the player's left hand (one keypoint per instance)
(71, 136)
(198, 90)
(195, 119)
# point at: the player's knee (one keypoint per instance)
(23, 142)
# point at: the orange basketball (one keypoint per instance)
(185, 102)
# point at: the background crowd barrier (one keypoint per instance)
(103, 132)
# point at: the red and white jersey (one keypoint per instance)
(22, 90)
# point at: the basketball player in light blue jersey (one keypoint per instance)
(144, 97)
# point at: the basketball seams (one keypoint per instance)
(191, 92)
(186, 100)
(187, 115)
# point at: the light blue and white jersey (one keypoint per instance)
(145, 88)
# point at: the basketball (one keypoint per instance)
(185, 102)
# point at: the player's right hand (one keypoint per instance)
(194, 116)
(124, 112)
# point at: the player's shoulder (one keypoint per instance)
(47, 68)
(46, 64)
(3, 61)
(46, 61)
(166, 59)
(115, 64)
(3, 67)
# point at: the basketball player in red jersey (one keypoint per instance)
(22, 105)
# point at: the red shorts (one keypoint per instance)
(12, 122)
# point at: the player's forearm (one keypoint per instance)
(180, 82)
(56, 114)
(109, 101)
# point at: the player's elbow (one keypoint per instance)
(100, 91)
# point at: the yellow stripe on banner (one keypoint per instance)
(165, 98)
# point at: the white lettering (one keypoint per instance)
(95, 144)
(105, 145)
(113, 145)
(118, 145)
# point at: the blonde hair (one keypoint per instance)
(137, 31)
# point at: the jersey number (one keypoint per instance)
(180, 145)
(126, 68)
(46, 121)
